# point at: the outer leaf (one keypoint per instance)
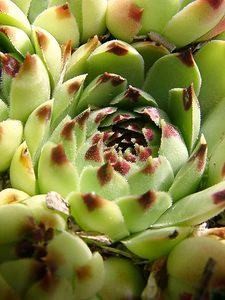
(196, 208)
(188, 178)
(154, 243)
(184, 111)
(22, 174)
(11, 14)
(142, 211)
(150, 51)
(213, 125)
(210, 61)
(90, 16)
(11, 134)
(216, 169)
(193, 21)
(15, 40)
(49, 51)
(172, 146)
(57, 17)
(94, 213)
(78, 62)
(172, 71)
(103, 180)
(117, 57)
(38, 122)
(29, 88)
(55, 171)
(24, 5)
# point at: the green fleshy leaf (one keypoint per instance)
(172, 146)
(95, 213)
(80, 127)
(187, 115)
(150, 51)
(12, 15)
(66, 96)
(155, 243)
(6, 289)
(54, 165)
(10, 66)
(122, 276)
(32, 80)
(216, 168)
(15, 40)
(103, 180)
(196, 208)
(20, 273)
(22, 176)
(89, 155)
(117, 57)
(90, 16)
(48, 49)
(4, 111)
(78, 62)
(15, 228)
(36, 7)
(96, 118)
(210, 60)
(132, 98)
(56, 17)
(38, 122)
(43, 215)
(94, 282)
(213, 126)
(142, 211)
(24, 5)
(156, 174)
(101, 91)
(174, 71)
(11, 135)
(58, 288)
(193, 21)
(188, 178)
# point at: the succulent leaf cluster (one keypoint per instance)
(112, 149)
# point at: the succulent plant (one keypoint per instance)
(112, 145)
(39, 257)
(120, 139)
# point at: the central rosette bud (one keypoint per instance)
(126, 137)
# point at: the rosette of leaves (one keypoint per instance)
(39, 257)
(54, 97)
(126, 171)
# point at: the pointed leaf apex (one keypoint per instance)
(94, 153)
(63, 11)
(114, 78)
(188, 94)
(117, 48)
(147, 199)
(44, 113)
(105, 174)
(219, 197)
(186, 58)
(67, 130)
(58, 155)
(93, 201)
